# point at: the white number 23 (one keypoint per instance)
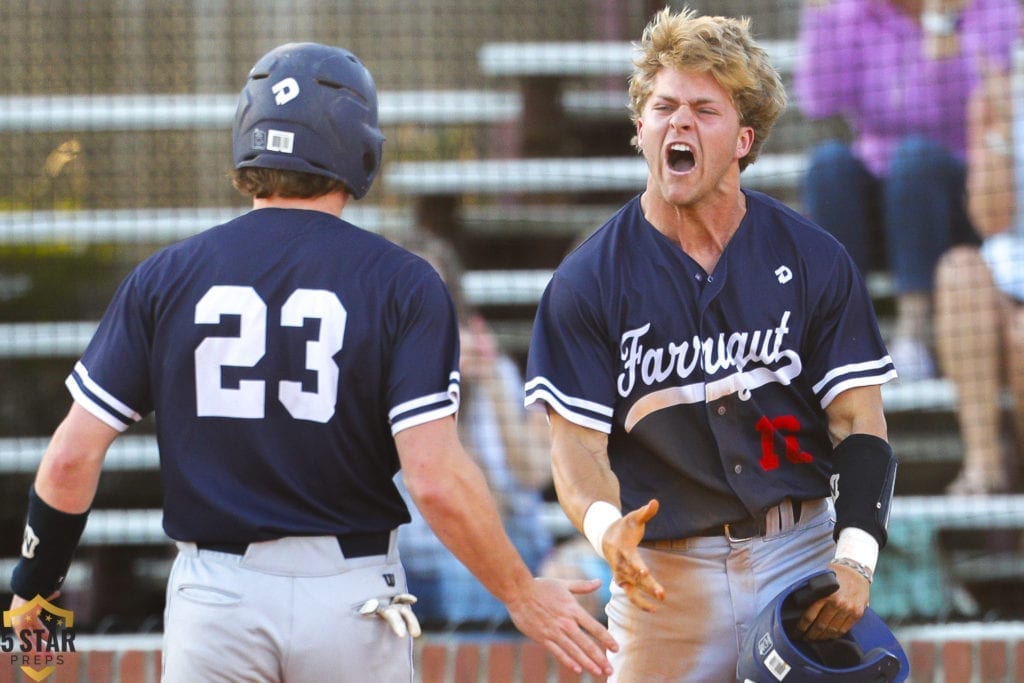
(246, 350)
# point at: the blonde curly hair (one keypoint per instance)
(721, 46)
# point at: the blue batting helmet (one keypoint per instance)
(772, 652)
(312, 108)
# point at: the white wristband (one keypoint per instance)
(598, 517)
(859, 546)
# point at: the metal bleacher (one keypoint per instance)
(494, 200)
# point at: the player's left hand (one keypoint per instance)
(396, 611)
(834, 615)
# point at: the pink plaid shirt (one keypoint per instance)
(865, 60)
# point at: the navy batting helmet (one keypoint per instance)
(312, 108)
(772, 652)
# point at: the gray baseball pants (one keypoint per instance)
(715, 588)
(286, 610)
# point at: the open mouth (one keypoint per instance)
(680, 158)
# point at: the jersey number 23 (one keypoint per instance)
(245, 351)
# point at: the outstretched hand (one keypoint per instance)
(629, 571)
(550, 615)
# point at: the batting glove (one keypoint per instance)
(397, 611)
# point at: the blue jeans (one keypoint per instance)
(903, 222)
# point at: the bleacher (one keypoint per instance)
(512, 215)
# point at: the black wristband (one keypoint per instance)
(50, 540)
(863, 477)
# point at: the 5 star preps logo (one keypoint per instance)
(37, 637)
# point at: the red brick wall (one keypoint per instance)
(512, 661)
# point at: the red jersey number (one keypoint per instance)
(786, 426)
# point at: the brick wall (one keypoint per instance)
(464, 660)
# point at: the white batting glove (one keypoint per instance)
(397, 611)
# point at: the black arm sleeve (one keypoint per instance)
(863, 479)
(51, 537)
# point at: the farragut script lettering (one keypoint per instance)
(653, 365)
(743, 361)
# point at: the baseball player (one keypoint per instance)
(710, 363)
(294, 363)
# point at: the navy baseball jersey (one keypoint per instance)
(712, 388)
(280, 352)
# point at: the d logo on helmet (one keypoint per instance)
(285, 90)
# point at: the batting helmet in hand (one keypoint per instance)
(772, 651)
(312, 108)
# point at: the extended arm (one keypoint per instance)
(450, 491)
(583, 477)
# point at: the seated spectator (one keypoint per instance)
(898, 72)
(980, 292)
(511, 447)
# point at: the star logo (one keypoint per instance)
(42, 632)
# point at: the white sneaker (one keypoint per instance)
(912, 359)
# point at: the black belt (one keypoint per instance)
(750, 527)
(352, 545)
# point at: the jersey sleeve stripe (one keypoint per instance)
(540, 394)
(883, 363)
(97, 394)
(82, 373)
(423, 418)
(853, 382)
(426, 408)
(450, 396)
(583, 404)
(97, 409)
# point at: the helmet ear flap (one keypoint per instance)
(889, 664)
(814, 589)
(841, 653)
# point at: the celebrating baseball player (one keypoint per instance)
(710, 362)
(294, 362)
